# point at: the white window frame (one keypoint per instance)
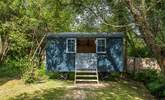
(97, 39)
(75, 44)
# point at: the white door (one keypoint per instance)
(86, 61)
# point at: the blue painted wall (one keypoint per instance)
(58, 60)
(113, 59)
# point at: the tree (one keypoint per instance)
(141, 17)
(25, 23)
(144, 18)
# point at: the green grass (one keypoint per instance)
(15, 89)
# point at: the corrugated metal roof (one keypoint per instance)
(85, 34)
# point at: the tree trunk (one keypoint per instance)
(0, 46)
(147, 34)
(38, 45)
(4, 47)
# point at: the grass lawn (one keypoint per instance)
(15, 89)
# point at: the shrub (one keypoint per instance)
(24, 69)
(34, 73)
(139, 52)
(58, 75)
(156, 88)
(13, 67)
(28, 77)
(71, 75)
(115, 75)
(53, 75)
(61, 75)
(146, 75)
(7, 70)
(28, 73)
(153, 80)
(109, 76)
(40, 73)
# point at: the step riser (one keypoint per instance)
(86, 72)
(86, 76)
(86, 69)
(85, 80)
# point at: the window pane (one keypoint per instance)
(71, 45)
(101, 45)
(71, 48)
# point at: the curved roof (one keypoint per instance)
(85, 34)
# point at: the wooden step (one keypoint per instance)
(86, 75)
(87, 71)
(86, 80)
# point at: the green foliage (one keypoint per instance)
(33, 74)
(71, 76)
(41, 73)
(153, 80)
(146, 75)
(139, 52)
(53, 75)
(28, 77)
(9, 70)
(157, 87)
(23, 23)
(114, 76)
(61, 75)
(23, 69)
(109, 76)
(13, 68)
(136, 46)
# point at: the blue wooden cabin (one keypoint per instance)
(66, 51)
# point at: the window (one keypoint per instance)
(101, 45)
(71, 45)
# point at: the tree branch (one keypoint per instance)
(104, 21)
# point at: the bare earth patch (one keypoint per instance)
(92, 86)
(77, 92)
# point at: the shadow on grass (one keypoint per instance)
(49, 94)
(121, 90)
(117, 91)
(4, 80)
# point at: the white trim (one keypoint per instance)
(75, 44)
(97, 44)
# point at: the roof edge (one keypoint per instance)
(85, 34)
